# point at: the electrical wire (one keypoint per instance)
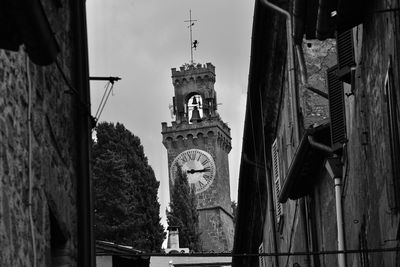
(83, 104)
(279, 254)
(269, 182)
(30, 178)
(255, 149)
(104, 99)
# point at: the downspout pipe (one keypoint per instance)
(339, 220)
(292, 90)
(319, 146)
(291, 68)
(334, 167)
(302, 65)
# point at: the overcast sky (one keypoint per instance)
(141, 40)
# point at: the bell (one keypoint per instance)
(194, 101)
(195, 115)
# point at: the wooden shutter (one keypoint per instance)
(345, 55)
(277, 180)
(336, 109)
(261, 261)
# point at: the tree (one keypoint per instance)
(183, 213)
(125, 190)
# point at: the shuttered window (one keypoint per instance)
(261, 260)
(277, 180)
(345, 55)
(393, 117)
(336, 109)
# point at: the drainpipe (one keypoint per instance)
(319, 146)
(269, 189)
(291, 69)
(302, 65)
(334, 168)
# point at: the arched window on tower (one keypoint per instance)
(195, 108)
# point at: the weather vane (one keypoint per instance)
(195, 43)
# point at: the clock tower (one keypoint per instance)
(199, 142)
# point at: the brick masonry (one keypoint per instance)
(54, 154)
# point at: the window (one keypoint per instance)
(393, 131)
(277, 182)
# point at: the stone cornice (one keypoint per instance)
(217, 207)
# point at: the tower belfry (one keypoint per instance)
(198, 143)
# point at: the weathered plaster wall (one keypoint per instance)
(367, 209)
(291, 232)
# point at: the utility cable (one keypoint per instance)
(107, 91)
(255, 149)
(86, 106)
(279, 254)
(102, 99)
(30, 177)
(271, 209)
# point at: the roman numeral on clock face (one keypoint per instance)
(205, 162)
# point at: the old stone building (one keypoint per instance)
(45, 131)
(199, 142)
(323, 100)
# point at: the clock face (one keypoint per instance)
(199, 167)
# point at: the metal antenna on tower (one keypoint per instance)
(195, 43)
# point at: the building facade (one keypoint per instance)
(326, 176)
(198, 143)
(45, 131)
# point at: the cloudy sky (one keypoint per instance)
(141, 40)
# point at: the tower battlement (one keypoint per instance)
(193, 135)
(197, 70)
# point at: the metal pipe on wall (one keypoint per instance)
(319, 146)
(339, 220)
(290, 67)
(271, 205)
(292, 92)
(334, 167)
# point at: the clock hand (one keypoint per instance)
(194, 171)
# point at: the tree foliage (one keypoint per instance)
(125, 190)
(183, 213)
